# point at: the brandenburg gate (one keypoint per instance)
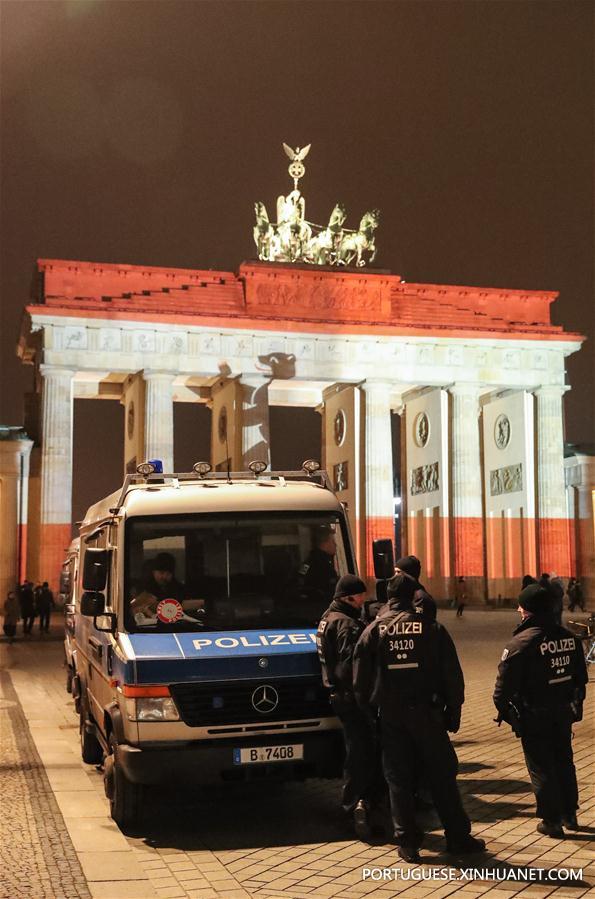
(476, 374)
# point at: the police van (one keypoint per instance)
(68, 586)
(195, 629)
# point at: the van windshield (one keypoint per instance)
(222, 571)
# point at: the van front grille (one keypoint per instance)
(254, 701)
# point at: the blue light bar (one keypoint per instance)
(157, 464)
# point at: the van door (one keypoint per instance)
(95, 646)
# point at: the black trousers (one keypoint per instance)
(361, 770)
(44, 619)
(414, 738)
(547, 744)
(28, 623)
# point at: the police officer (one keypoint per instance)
(422, 601)
(556, 592)
(540, 691)
(338, 632)
(319, 572)
(407, 667)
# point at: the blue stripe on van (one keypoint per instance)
(224, 655)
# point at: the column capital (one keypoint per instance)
(155, 375)
(378, 387)
(55, 371)
(551, 390)
(463, 388)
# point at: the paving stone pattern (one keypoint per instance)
(37, 856)
(273, 840)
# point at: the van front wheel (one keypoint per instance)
(91, 750)
(125, 797)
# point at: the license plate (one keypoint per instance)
(259, 754)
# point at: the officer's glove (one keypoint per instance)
(577, 710)
(452, 719)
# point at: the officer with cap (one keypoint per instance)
(407, 667)
(539, 691)
(338, 632)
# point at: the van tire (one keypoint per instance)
(69, 676)
(125, 797)
(91, 750)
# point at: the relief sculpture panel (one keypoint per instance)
(327, 299)
(424, 479)
(506, 480)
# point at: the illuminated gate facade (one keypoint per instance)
(476, 375)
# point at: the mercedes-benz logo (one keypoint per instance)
(265, 699)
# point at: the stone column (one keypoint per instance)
(256, 438)
(553, 549)
(56, 471)
(159, 418)
(379, 496)
(466, 487)
(15, 450)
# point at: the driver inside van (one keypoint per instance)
(161, 584)
(319, 572)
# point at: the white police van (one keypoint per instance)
(68, 586)
(196, 629)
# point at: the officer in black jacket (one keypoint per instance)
(540, 690)
(407, 667)
(423, 603)
(338, 632)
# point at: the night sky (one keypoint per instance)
(143, 132)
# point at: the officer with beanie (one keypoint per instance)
(422, 601)
(407, 667)
(338, 632)
(539, 691)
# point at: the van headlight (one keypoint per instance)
(152, 708)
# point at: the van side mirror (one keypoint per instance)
(92, 603)
(95, 569)
(65, 582)
(384, 560)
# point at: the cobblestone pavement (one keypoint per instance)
(268, 840)
(36, 852)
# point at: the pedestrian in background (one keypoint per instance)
(407, 668)
(574, 591)
(338, 632)
(44, 603)
(539, 691)
(27, 602)
(461, 596)
(12, 613)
